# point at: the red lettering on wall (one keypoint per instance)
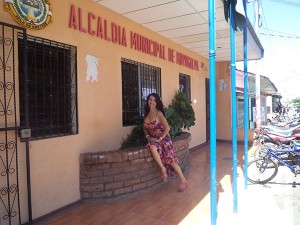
(110, 31)
(119, 35)
(114, 33)
(133, 38)
(162, 54)
(186, 61)
(73, 21)
(171, 55)
(105, 31)
(124, 39)
(196, 65)
(99, 28)
(155, 48)
(91, 16)
(82, 29)
(143, 44)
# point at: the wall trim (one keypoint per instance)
(45, 218)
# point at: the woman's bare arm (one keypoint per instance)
(162, 119)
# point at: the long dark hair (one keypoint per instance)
(159, 104)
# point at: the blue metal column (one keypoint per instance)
(233, 106)
(212, 92)
(246, 101)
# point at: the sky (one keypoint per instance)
(279, 34)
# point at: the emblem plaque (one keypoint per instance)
(32, 14)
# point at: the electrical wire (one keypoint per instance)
(281, 36)
(287, 3)
(264, 25)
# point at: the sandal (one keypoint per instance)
(164, 176)
(182, 186)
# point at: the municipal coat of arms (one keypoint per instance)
(32, 14)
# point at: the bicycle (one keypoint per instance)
(265, 168)
(264, 141)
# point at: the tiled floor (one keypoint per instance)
(167, 206)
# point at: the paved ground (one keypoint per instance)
(276, 203)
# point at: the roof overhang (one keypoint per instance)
(267, 87)
(186, 22)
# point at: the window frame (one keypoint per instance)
(138, 81)
(51, 88)
(187, 88)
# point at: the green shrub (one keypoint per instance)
(180, 114)
(136, 137)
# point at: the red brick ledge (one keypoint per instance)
(114, 175)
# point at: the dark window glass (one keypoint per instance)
(138, 81)
(185, 85)
(52, 88)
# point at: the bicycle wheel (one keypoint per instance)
(259, 172)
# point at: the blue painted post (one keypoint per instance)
(213, 127)
(233, 106)
(246, 101)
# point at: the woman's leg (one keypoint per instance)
(156, 156)
(178, 170)
(183, 182)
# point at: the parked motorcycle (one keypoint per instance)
(278, 133)
(284, 124)
(273, 138)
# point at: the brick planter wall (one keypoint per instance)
(120, 174)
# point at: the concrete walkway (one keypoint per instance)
(276, 203)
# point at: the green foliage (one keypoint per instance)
(180, 114)
(296, 100)
(174, 121)
(136, 137)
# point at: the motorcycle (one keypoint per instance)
(273, 138)
(286, 124)
(291, 129)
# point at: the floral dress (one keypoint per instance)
(165, 147)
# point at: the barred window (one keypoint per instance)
(138, 81)
(185, 85)
(51, 88)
